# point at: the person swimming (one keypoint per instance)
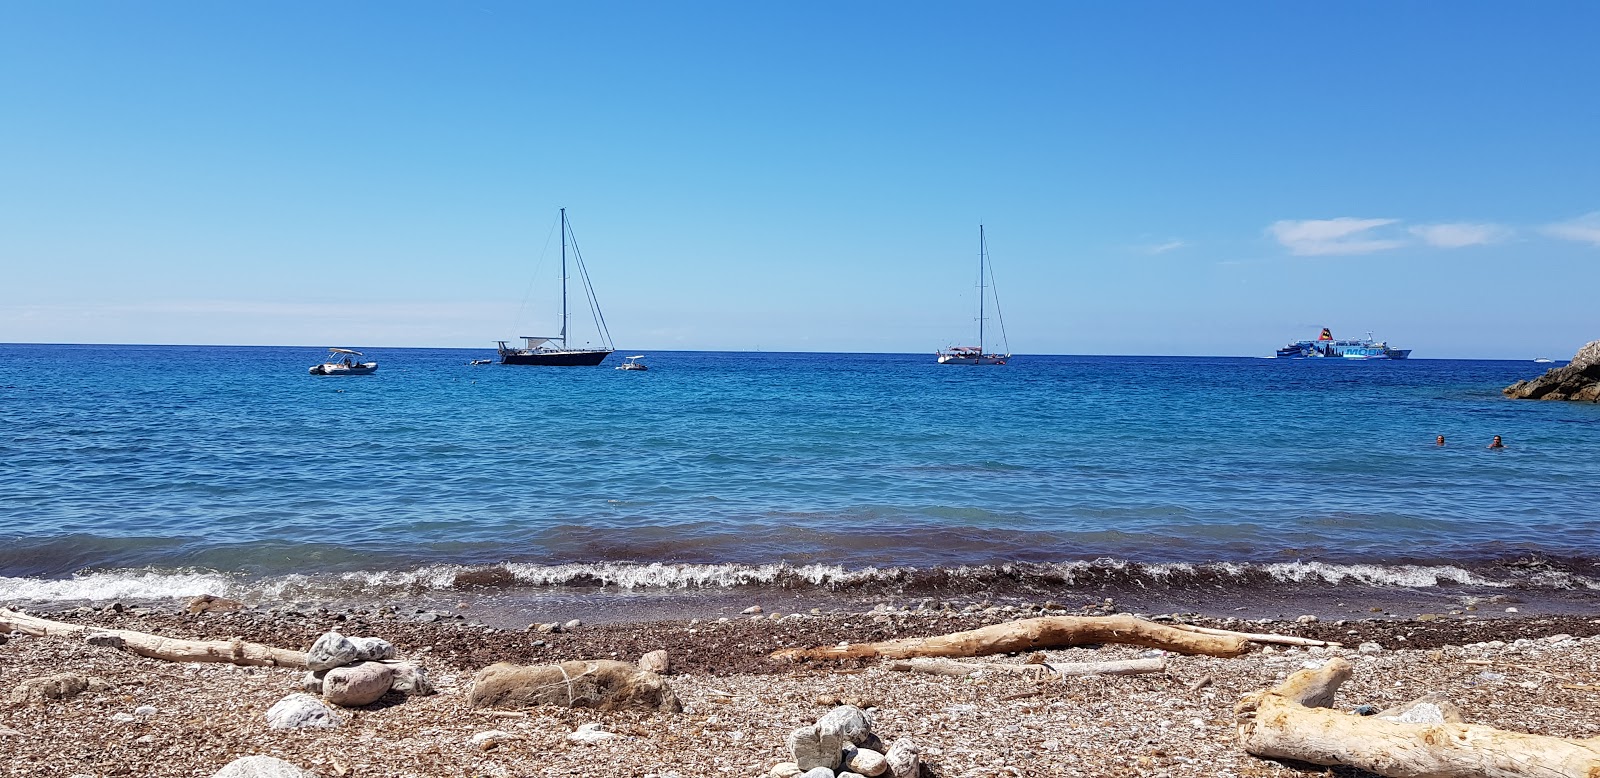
(1496, 443)
(1439, 441)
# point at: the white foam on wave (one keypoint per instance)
(120, 585)
(657, 575)
(1412, 576)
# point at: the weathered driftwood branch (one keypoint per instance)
(1294, 722)
(233, 651)
(942, 666)
(1034, 634)
(1257, 637)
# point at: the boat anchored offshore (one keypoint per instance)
(973, 355)
(1326, 346)
(633, 363)
(341, 362)
(554, 350)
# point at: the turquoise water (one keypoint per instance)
(146, 462)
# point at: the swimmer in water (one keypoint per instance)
(1497, 443)
(1439, 441)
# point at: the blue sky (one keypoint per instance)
(1155, 178)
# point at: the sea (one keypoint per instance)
(719, 479)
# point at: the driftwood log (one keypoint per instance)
(1040, 670)
(1293, 721)
(1035, 634)
(233, 651)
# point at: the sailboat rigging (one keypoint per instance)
(555, 350)
(974, 355)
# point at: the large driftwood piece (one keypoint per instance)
(1042, 670)
(1294, 722)
(1258, 637)
(1034, 634)
(233, 651)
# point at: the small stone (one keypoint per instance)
(1428, 617)
(818, 772)
(261, 766)
(1366, 710)
(655, 662)
(548, 628)
(1511, 610)
(813, 748)
(1561, 638)
(492, 739)
(57, 687)
(330, 651)
(311, 682)
(144, 711)
(105, 640)
(851, 723)
(301, 711)
(1431, 709)
(1307, 619)
(572, 625)
(207, 603)
(410, 678)
(1369, 647)
(590, 733)
(754, 609)
(784, 770)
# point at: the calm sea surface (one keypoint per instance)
(154, 463)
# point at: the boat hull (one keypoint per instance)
(575, 358)
(961, 359)
(337, 369)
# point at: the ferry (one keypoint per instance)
(1327, 346)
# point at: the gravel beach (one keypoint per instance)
(153, 718)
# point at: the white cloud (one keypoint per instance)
(1584, 229)
(1344, 235)
(1459, 234)
(1162, 248)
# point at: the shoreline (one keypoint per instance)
(740, 705)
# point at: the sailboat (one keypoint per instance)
(974, 355)
(554, 350)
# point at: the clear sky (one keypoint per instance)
(1155, 178)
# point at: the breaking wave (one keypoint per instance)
(626, 577)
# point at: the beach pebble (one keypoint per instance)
(1306, 619)
(311, 682)
(655, 662)
(144, 711)
(852, 723)
(1433, 709)
(818, 772)
(590, 733)
(372, 649)
(301, 711)
(358, 684)
(1369, 647)
(492, 738)
(571, 625)
(754, 609)
(547, 628)
(867, 762)
(784, 770)
(261, 766)
(905, 759)
(814, 747)
(330, 651)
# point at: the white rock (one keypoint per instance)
(784, 770)
(261, 767)
(812, 747)
(330, 651)
(905, 760)
(818, 772)
(571, 625)
(410, 678)
(145, 711)
(852, 723)
(301, 711)
(590, 733)
(1306, 619)
(656, 662)
(750, 610)
(372, 649)
(867, 762)
(1369, 647)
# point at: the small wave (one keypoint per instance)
(148, 584)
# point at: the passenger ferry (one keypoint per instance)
(1327, 346)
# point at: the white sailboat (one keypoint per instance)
(554, 350)
(974, 355)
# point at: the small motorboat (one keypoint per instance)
(480, 362)
(341, 361)
(1543, 361)
(633, 363)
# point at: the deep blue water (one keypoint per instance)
(236, 460)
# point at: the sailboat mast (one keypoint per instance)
(981, 250)
(563, 278)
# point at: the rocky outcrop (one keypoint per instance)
(1577, 380)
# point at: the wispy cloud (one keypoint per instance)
(1584, 229)
(1344, 235)
(1459, 234)
(1164, 247)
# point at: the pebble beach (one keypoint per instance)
(148, 717)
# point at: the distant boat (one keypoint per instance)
(633, 363)
(554, 350)
(974, 355)
(1543, 361)
(341, 362)
(1326, 346)
(480, 361)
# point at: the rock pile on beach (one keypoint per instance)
(355, 671)
(842, 745)
(1577, 380)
